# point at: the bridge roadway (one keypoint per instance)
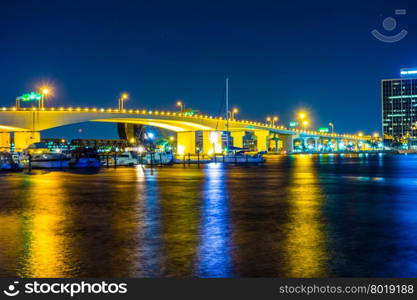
(27, 123)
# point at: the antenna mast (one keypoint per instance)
(227, 114)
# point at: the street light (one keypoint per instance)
(44, 91)
(180, 105)
(233, 113)
(332, 126)
(272, 120)
(123, 97)
(303, 120)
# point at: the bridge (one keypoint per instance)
(25, 126)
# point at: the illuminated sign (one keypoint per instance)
(293, 124)
(324, 129)
(412, 71)
(32, 96)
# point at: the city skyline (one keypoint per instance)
(186, 52)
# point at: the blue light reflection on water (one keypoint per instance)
(214, 250)
(150, 256)
(371, 215)
(405, 208)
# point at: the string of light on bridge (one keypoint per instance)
(184, 115)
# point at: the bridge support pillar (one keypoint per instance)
(186, 143)
(338, 146)
(305, 143)
(316, 143)
(262, 140)
(212, 142)
(4, 141)
(287, 143)
(273, 143)
(23, 139)
(237, 138)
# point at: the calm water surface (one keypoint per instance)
(296, 216)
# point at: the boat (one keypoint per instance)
(7, 163)
(239, 158)
(48, 161)
(39, 156)
(192, 159)
(158, 158)
(122, 159)
(85, 158)
(407, 151)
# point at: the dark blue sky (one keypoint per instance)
(279, 55)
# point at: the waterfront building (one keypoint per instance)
(399, 110)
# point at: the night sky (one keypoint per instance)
(279, 55)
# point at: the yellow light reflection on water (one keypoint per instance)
(304, 249)
(47, 250)
(180, 220)
(10, 246)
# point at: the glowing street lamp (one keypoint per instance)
(123, 97)
(272, 120)
(332, 126)
(44, 91)
(180, 105)
(302, 116)
(233, 113)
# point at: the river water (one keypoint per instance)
(295, 216)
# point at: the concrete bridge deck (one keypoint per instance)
(26, 123)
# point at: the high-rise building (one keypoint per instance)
(399, 109)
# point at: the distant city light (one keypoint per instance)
(141, 149)
(150, 135)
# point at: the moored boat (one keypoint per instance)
(48, 161)
(122, 159)
(7, 163)
(39, 156)
(85, 158)
(239, 158)
(158, 158)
